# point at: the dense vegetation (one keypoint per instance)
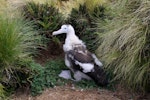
(126, 42)
(46, 17)
(18, 43)
(119, 29)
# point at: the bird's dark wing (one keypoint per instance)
(99, 76)
(81, 54)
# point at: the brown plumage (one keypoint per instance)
(80, 53)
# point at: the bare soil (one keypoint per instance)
(69, 92)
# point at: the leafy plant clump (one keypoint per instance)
(46, 76)
(46, 17)
(126, 43)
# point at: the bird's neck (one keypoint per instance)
(71, 34)
(71, 38)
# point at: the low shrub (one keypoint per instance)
(47, 76)
(46, 17)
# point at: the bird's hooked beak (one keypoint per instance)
(60, 31)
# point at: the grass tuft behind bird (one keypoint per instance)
(125, 44)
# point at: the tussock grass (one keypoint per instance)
(126, 42)
(17, 39)
(66, 7)
(42, 1)
(3, 5)
(18, 43)
(2, 92)
(91, 5)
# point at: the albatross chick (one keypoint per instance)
(83, 64)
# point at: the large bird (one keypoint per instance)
(83, 64)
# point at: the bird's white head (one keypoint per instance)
(68, 29)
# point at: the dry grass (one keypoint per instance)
(3, 5)
(65, 7)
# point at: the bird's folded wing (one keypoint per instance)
(82, 56)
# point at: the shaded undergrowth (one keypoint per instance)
(47, 76)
